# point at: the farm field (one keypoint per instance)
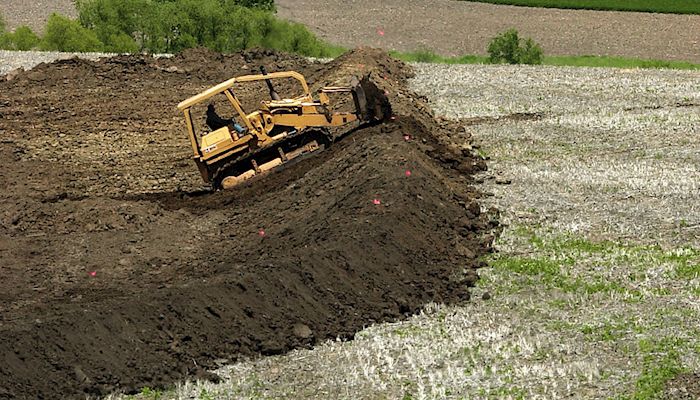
(594, 291)
(457, 28)
(673, 6)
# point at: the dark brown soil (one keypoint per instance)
(685, 386)
(120, 271)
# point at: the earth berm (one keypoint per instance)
(120, 271)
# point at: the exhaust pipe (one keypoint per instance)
(273, 93)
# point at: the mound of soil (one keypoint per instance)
(121, 271)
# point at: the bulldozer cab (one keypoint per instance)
(248, 123)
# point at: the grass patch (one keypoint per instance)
(427, 56)
(617, 62)
(654, 6)
(661, 362)
(540, 270)
(555, 258)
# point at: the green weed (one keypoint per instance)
(573, 61)
(151, 394)
(660, 363)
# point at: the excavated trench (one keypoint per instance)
(121, 271)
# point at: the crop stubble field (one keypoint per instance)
(595, 289)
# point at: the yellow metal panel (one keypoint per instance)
(313, 119)
(190, 132)
(221, 87)
(217, 136)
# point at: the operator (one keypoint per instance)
(214, 121)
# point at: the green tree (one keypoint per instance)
(169, 26)
(64, 34)
(23, 38)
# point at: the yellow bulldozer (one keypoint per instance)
(247, 145)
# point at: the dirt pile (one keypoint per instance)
(120, 272)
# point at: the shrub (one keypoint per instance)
(508, 47)
(121, 43)
(268, 5)
(63, 34)
(531, 53)
(23, 38)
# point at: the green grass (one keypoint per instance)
(661, 362)
(427, 56)
(657, 6)
(557, 254)
(617, 62)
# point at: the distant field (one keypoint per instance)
(654, 6)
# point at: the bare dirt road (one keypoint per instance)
(457, 27)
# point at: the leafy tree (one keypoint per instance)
(169, 26)
(64, 34)
(23, 38)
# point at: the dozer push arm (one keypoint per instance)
(314, 119)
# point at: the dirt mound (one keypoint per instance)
(120, 271)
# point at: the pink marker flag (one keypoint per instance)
(376, 202)
(93, 273)
(408, 173)
(261, 233)
(380, 32)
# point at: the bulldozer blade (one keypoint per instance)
(371, 102)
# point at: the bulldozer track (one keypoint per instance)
(317, 133)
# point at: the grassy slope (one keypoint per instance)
(665, 6)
